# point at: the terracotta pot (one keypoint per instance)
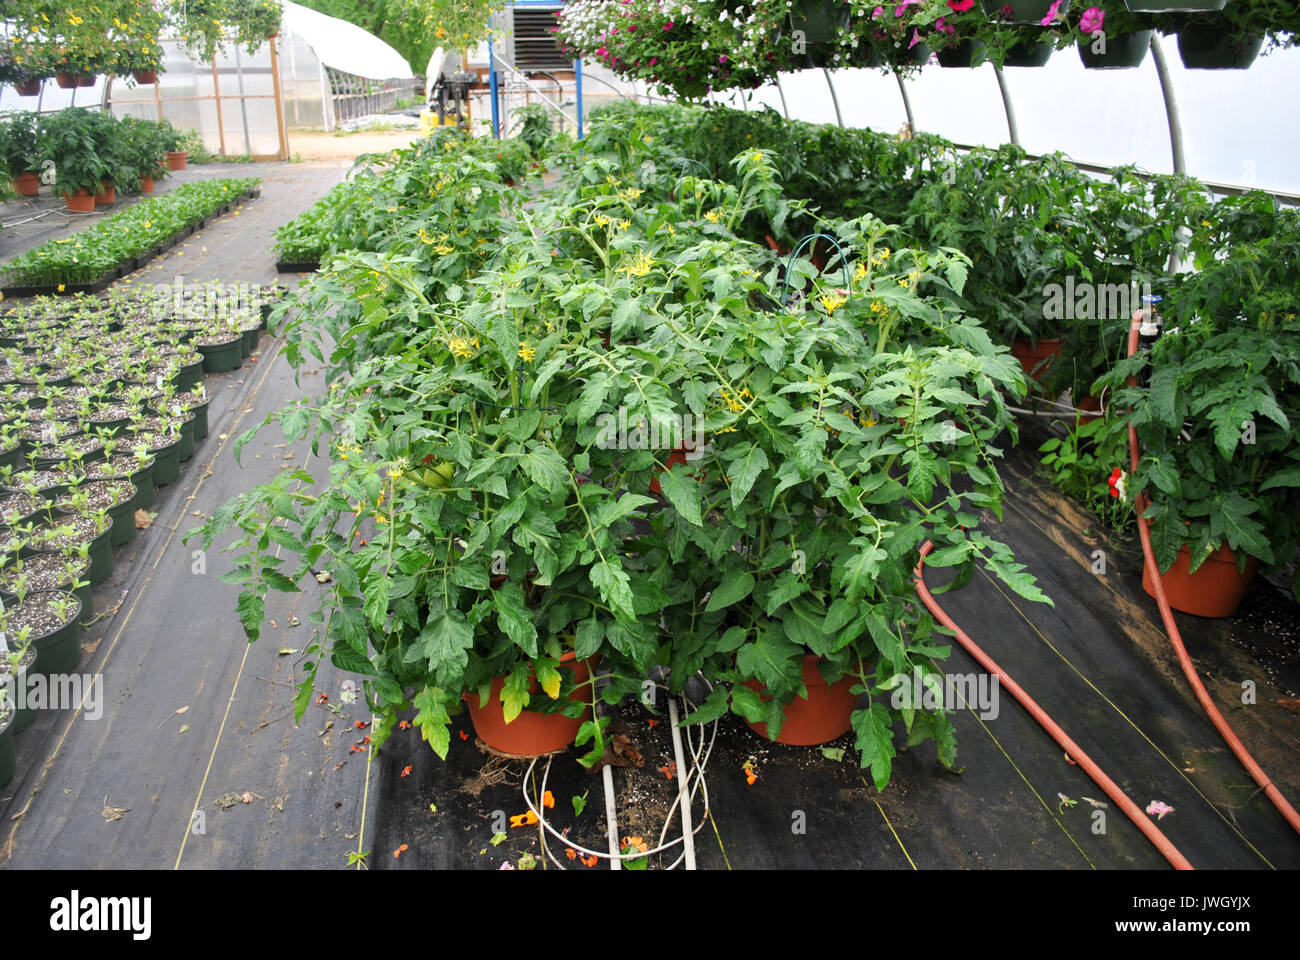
(1031, 354)
(146, 184)
(80, 202)
(27, 184)
(145, 76)
(677, 456)
(107, 194)
(1090, 403)
(176, 159)
(86, 80)
(531, 733)
(1214, 590)
(821, 718)
(65, 80)
(32, 88)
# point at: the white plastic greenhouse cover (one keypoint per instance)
(344, 46)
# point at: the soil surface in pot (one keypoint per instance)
(45, 571)
(101, 495)
(39, 613)
(67, 533)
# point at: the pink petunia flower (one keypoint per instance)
(916, 38)
(1092, 20)
(877, 13)
(668, 25)
(653, 61)
(961, 6)
(1053, 14)
(1158, 809)
(722, 59)
(903, 5)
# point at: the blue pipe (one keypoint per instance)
(577, 72)
(492, 91)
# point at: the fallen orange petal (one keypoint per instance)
(406, 772)
(548, 800)
(590, 861)
(523, 819)
(652, 723)
(464, 735)
(571, 853)
(404, 725)
(361, 724)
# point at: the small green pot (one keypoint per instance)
(167, 464)
(7, 749)
(222, 357)
(1123, 51)
(187, 440)
(58, 652)
(190, 376)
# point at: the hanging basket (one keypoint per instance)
(1175, 6)
(1211, 47)
(1123, 51)
(820, 20)
(145, 76)
(962, 55)
(66, 81)
(1021, 11)
(32, 88)
(1025, 54)
(86, 80)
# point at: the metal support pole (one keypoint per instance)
(281, 128)
(781, 90)
(243, 104)
(216, 92)
(1012, 130)
(1171, 105)
(492, 91)
(907, 103)
(577, 74)
(834, 99)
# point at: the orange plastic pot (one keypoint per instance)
(1214, 590)
(86, 80)
(824, 716)
(531, 733)
(66, 81)
(80, 202)
(32, 88)
(27, 184)
(107, 194)
(146, 184)
(145, 76)
(1032, 353)
(176, 159)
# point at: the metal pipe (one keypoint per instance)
(834, 99)
(1007, 106)
(781, 90)
(907, 102)
(243, 104)
(577, 74)
(1171, 104)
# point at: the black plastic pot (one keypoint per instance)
(7, 749)
(12, 457)
(1022, 11)
(58, 651)
(819, 20)
(1025, 54)
(961, 55)
(1213, 47)
(1175, 6)
(190, 375)
(1123, 51)
(222, 357)
(167, 464)
(187, 440)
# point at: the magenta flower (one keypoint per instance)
(898, 10)
(877, 13)
(961, 6)
(600, 52)
(722, 59)
(1092, 20)
(916, 38)
(1053, 14)
(653, 61)
(668, 25)
(631, 28)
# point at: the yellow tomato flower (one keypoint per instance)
(640, 265)
(832, 302)
(713, 216)
(527, 354)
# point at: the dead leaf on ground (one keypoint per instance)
(184, 727)
(323, 577)
(143, 521)
(248, 797)
(113, 813)
(92, 646)
(1290, 703)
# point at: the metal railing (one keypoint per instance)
(352, 97)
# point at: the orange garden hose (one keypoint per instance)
(1071, 749)
(1153, 575)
